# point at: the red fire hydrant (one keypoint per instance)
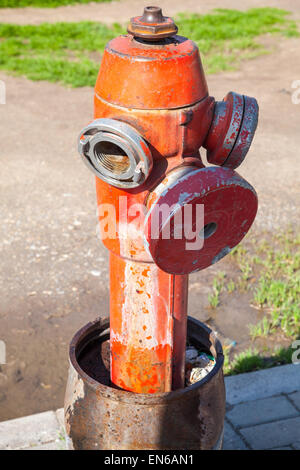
(163, 214)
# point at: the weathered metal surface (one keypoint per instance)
(115, 152)
(229, 203)
(152, 25)
(246, 134)
(135, 75)
(98, 416)
(228, 115)
(232, 130)
(145, 315)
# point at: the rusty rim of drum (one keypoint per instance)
(88, 332)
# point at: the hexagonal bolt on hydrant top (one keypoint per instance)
(163, 214)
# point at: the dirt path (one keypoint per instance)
(123, 9)
(54, 274)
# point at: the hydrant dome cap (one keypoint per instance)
(140, 76)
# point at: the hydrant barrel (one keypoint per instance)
(147, 326)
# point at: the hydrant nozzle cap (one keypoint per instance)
(152, 25)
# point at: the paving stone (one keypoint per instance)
(232, 441)
(295, 397)
(32, 430)
(262, 383)
(261, 411)
(281, 433)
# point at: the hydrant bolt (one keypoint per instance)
(152, 26)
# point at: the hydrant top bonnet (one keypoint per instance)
(139, 76)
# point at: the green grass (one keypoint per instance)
(58, 52)
(228, 36)
(218, 284)
(278, 291)
(252, 359)
(43, 3)
(268, 271)
(65, 52)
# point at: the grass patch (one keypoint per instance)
(65, 52)
(57, 52)
(252, 360)
(276, 292)
(43, 3)
(228, 36)
(269, 271)
(218, 284)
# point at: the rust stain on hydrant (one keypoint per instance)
(152, 115)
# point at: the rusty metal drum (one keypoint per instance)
(99, 415)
